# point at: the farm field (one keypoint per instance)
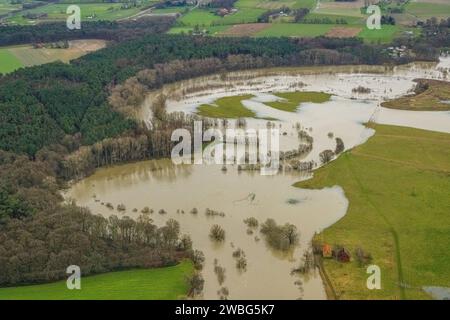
(329, 7)
(167, 283)
(426, 9)
(385, 35)
(292, 100)
(8, 61)
(397, 185)
(26, 55)
(295, 30)
(89, 12)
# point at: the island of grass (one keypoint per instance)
(431, 95)
(398, 187)
(292, 100)
(168, 283)
(227, 107)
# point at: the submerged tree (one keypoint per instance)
(217, 233)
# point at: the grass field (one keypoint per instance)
(211, 30)
(143, 284)
(398, 186)
(292, 100)
(14, 57)
(227, 107)
(386, 34)
(89, 12)
(425, 10)
(295, 30)
(435, 98)
(8, 61)
(6, 7)
(333, 17)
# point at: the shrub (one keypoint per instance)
(281, 237)
(217, 233)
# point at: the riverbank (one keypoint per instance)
(397, 186)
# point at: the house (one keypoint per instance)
(341, 254)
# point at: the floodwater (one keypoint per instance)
(160, 184)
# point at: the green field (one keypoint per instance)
(211, 30)
(8, 61)
(143, 284)
(227, 107)
(397, 185)
(435, 98)
(295, 30)
(386, 34)
(333, 17)
(6, 7)
(428, 10)
(89, 12)
(292, 100)
(14, 57)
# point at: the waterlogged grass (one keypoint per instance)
(292, 100)
(227, 107)
(398, 187)
(167, 283)
(435, 98)
(8, 61)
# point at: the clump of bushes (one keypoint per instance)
(223, 293)
(145, 210)
(162, 211)
(280, 237)
(339, 146)
(217, 233)
(326, 156)
(194, 211)
(361, 89)
(241, 263)
(121, 207)
(213, 213)
(220, 272)
(198, 258)
(251, 222)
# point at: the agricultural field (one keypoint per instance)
(210, 30)
(397, 185)
(227, 107)
(295, 30)
(386, 34)
(8, 61)
(6, 7)
(424, 9)
(330, 7)
(167, 283)
(15, 57)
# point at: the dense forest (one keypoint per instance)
(40, 236)
(52, 103)
(107, 30)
